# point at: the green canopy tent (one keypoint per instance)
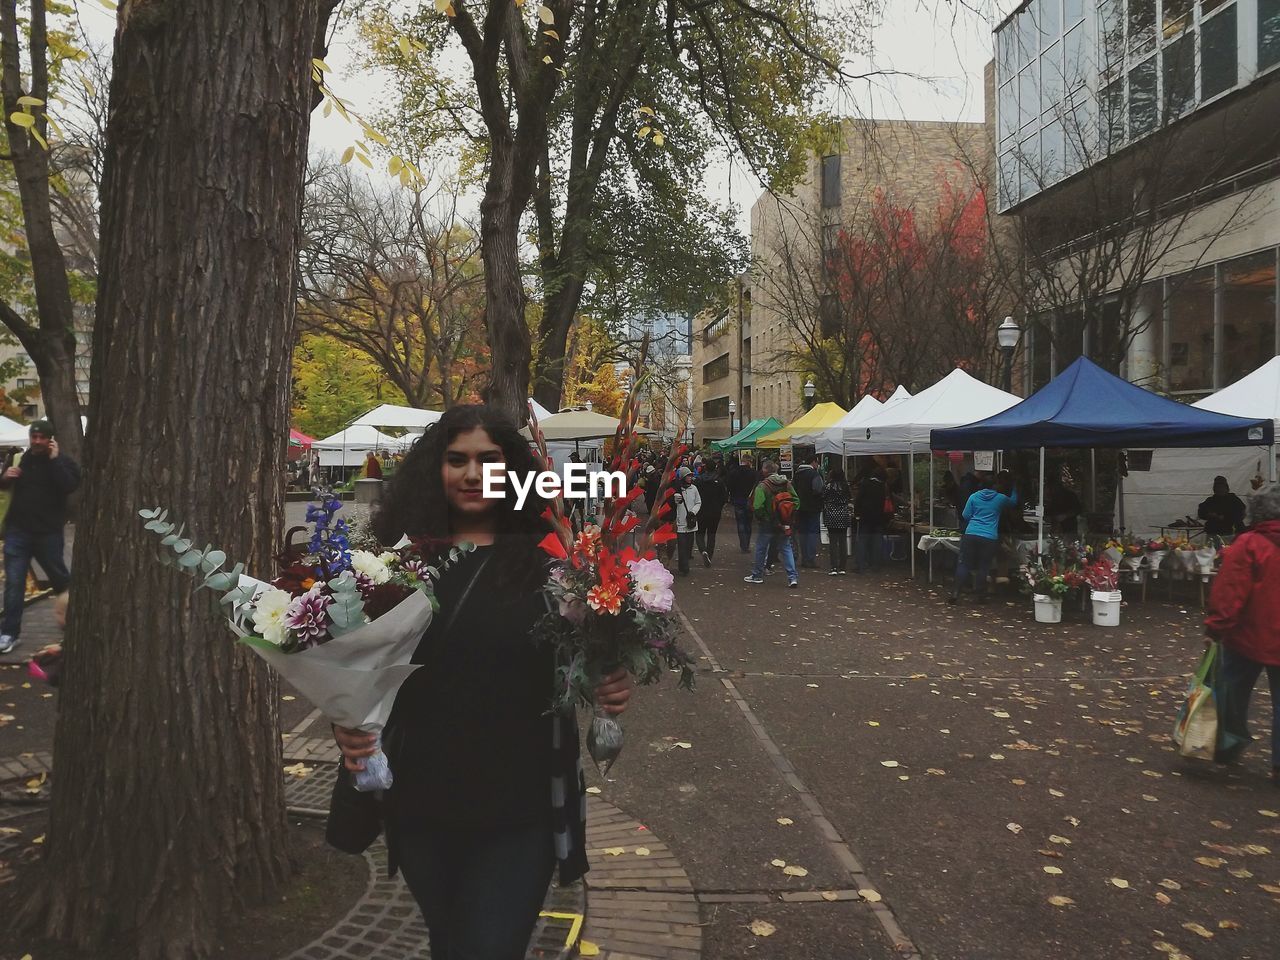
(745, 438)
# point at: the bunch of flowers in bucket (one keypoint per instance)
(1101, 575)
(611, 600)
(1043, 577)
(340, 625)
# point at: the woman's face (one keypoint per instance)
(463, 472)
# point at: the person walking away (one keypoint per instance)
(713, 492)
(808, 487)
(835, 514)
(1223, 513)
(488, 794)
(742, 484)
(982, 534)
(1244, 617)
(774, 504)
(870, 512)
(41, 482)
(688, 506)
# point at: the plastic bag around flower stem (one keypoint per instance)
(604, 740)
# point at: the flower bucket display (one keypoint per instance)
(1106, 607)
(1133, 567)
(1114, 554)
(1155, 560)
(1186, 560)
(1206, 557)
(1048, 609)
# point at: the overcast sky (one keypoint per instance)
(936, 48)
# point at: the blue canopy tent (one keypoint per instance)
(1084, 406)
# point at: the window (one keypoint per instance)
(1028, 38)
(1052, 150)
(1008, 110)
(1072, 12)
(1006, 52)
(829, 315)
(1068, 340)
(831, 181)
(1180, 75)
(1142, 26)
(715, 409)
(1191, 324)
(1009, 177)
(1080, 139)
(1077, 53)
(716, 369)
(1052, 78)
(1177, 17)
(1248, 314)
(1050, 25)
(1143, 115)
(1219, 53)
(1111, 19)
(1029, 165)
(1028, 96)
(1268, 33)
(25, 383)
(1111, 118)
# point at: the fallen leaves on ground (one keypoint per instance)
(871, 896)
(299, 770)
(785, 821)
(1061, 901)
(762, 928)
(1198, 930)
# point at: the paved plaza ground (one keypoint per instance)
(995, 788)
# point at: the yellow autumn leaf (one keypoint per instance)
(1061, 901)
(888, 763)
(20, 119)
(406, 48)
(645, 131)
(1228, 925)
(1212, 862)
(1256, 849)
(39, 839)
(778, 863)
(1054, 838)
(546, 14)
(1240, 873)
(394, 166)
(593, 790)
(30, 102)
(289, 697)
(442, 6)
(405, 179)
(830, 895)
(1052, 871)
(1163, 898)
(795, 871)
(643, 851)
(1171, 884)
(614, 851)
(328, 108)
(869, 895)
(320, 65)
(89, 87)
(110, 5)
(659, 139)
(1198, 930)
(650, 112)
(1118, 882)
(585, 947)
(1270, 888)
(785, 821)
(761, 928)
(347, 154)
(546, 60)
(1269, 813)
(365, 160)
(551, 33)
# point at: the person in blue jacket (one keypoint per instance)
(982, 533)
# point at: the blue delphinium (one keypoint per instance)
(329, 539)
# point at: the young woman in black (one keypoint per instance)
(488, 794)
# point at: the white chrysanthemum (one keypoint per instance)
(371, 565)
(388, 558)
(269, 613)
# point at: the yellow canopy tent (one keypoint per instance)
(822, 415)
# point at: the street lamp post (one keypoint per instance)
(809, 391)
(1007, 335)
(733, 417)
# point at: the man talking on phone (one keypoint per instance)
(41, 482)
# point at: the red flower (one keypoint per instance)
(384, 598)
(664, 534)
(605, 599)
(553, 545)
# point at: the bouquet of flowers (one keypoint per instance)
(1048, 580)
(611, 603)
(1101, 575)
(340, 625)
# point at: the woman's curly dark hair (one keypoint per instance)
(413, 502)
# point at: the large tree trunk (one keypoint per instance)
(553, 338)
(168, 804)
(509, 342)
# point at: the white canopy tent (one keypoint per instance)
(349, 447)
(901, 428)
(831, 440)
(389, 416)
(1180, 479)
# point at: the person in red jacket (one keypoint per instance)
(1244, 616)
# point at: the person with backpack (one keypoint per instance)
(688, 506)
(808, 488)
(835, 514)
(743, 478)
(871, 509)
(774, 505)
(714, 493)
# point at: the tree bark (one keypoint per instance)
(510, 350)
(168, 806)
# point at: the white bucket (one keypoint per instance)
(1106, 607)
(1048, 609)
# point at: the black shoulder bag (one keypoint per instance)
(356, 816)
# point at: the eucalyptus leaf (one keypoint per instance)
(150, 513)
(189, 560)
(170, 540)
